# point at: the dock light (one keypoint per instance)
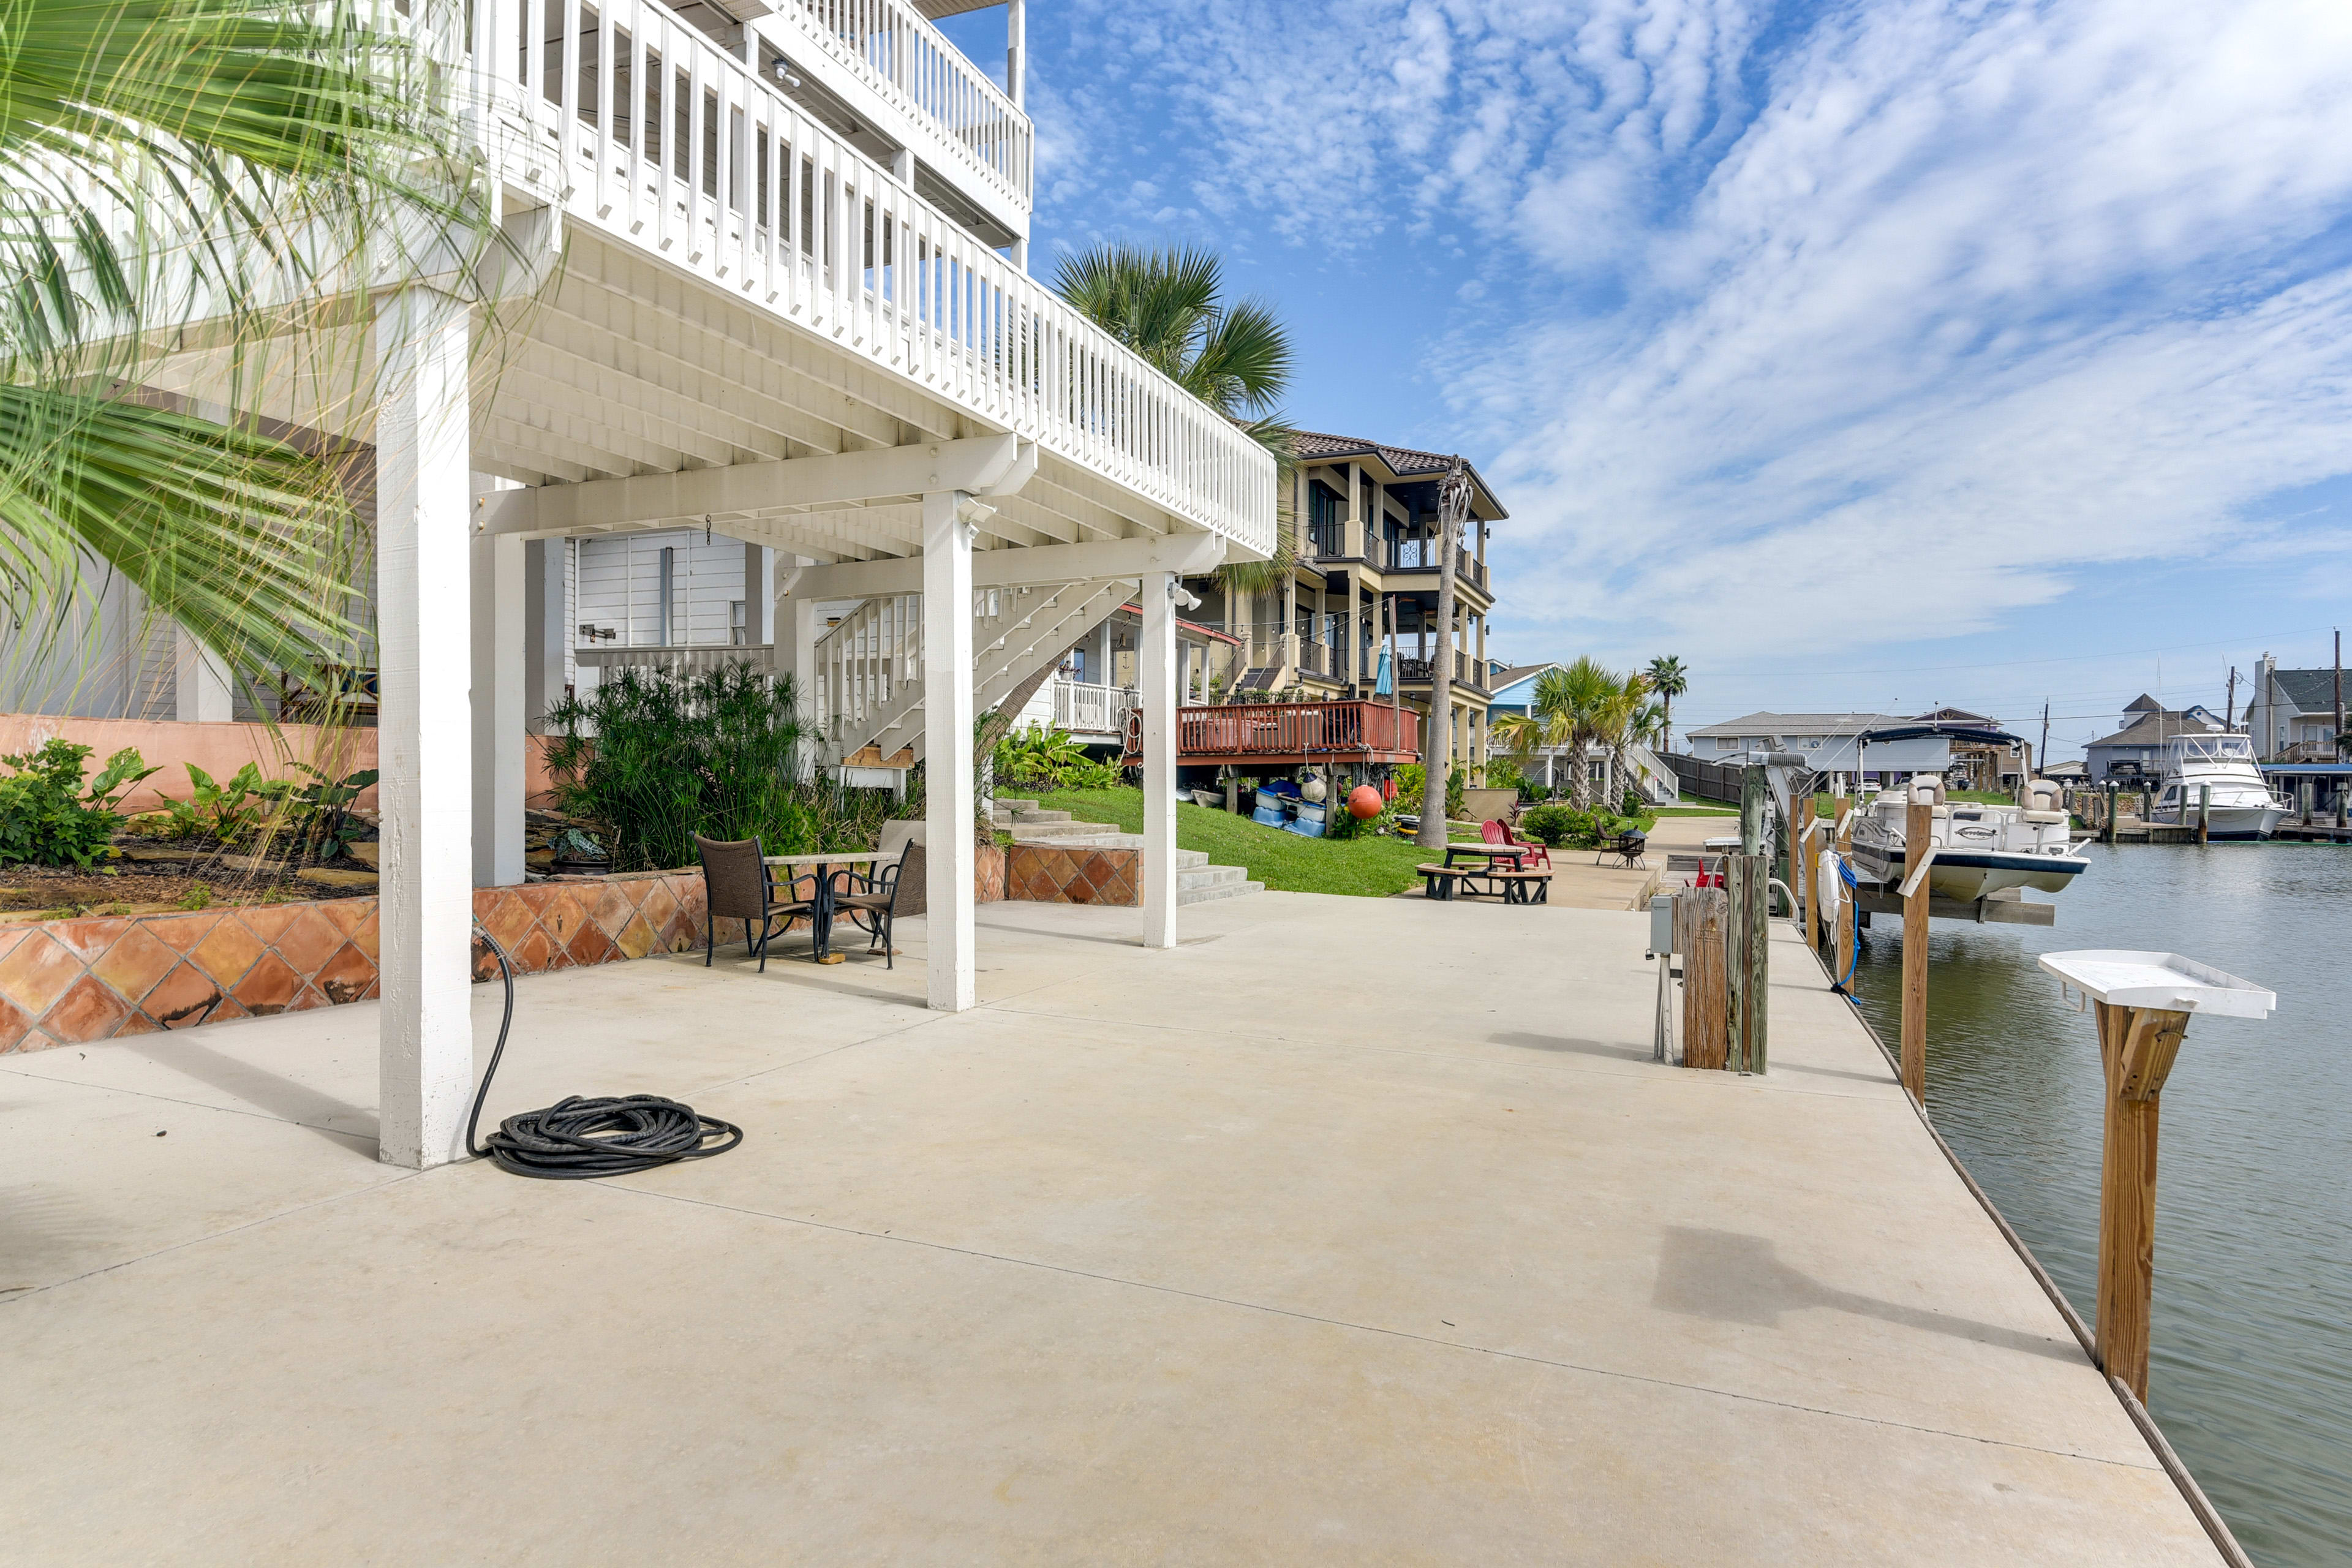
(2143, 1002)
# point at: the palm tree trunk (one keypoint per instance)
(1437, 761)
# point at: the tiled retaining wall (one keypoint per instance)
(1075, 876)
(70, 982)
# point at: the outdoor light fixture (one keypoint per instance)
(784, 72)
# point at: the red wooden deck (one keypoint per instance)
(1298, 732)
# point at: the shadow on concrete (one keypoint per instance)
(1556, 1044)
(1736, 1278)
(264, 1090)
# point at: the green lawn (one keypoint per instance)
(1362, 868)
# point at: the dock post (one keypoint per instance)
(1809, 873)
(1700, 937)
(1918, 827)
(1841, 936)
(2204, 813)
(2138, 1046)
(1750, 953)
(2107, 822)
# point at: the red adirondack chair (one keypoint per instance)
(1500, 834)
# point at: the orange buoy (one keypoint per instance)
(1364, 803)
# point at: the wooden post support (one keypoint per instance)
(2107, 827)
(1700, 917)
(1809, 873)
(2204, 813)
(1750, 901)
(1918, 827)
(2137, 1046)
(1841, 937)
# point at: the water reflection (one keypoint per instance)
(2251, 1373)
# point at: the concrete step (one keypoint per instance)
(1024, 830)
(1221, 890)
(1191, 877)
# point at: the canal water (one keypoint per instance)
(2251, 1372)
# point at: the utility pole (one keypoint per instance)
(2043, 756)
(2338, 738)
(2230, 703)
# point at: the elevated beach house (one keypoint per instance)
(761, 374)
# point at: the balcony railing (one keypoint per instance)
(1085, 708)
(681, 150)
(1297, 729)
(909, 64)
(1314, 658)
(1421, 555)
(1412, 670)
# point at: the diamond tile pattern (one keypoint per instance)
(1042, 875)
(66, 982)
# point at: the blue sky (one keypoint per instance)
(1869, 355)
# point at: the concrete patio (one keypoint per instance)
(1347, 1231)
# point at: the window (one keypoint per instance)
(1326, 520)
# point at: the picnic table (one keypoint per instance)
(821, 916)
(1502, 868)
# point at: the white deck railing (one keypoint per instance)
(681, 150)
(1083, 708)
(908, 63)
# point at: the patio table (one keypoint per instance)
(821, 917)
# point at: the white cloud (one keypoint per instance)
(1973, 294)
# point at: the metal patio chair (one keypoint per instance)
(738, 884)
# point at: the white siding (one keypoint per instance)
(618, 588)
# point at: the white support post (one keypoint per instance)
(200, 684)
(425, 1055)
(545, 635)
(793, 626)
(1156, 691)
(759, 596)
(947, 804)
(495, 572)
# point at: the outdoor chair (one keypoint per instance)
(738, 884)
(872, 902)
(1626, 847)
(1499, 833)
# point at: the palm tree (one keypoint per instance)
(1614, 728)
(1566, 713)
(1669, 679)
(224, 165)
(1168, 305)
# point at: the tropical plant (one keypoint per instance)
(1569, 709)
(48, 817)
(1669, 679)
(1454, 498)
(1618, 719)
(651, 758)
(228, 164)
(1553, 824)
(1036, 757)
(320, 811)
(1169, 306)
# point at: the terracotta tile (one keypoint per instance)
(87, 937)
(268, 987)
(345, 914)
(228, 952)
(183, 998)
(268, 924)
(137, 960)
(13, 1023)
(181, 932)
(137, 1023)
(307, 998)
(374, 989)
(10, 936)
(487, 900)
(636, 939)
(612, 907)
(364, 934)
(590, 945)
(560, 916)
(658, 905)
(486, 963)
(348, 976)
(228, 1010)
(508, 918)
(309, 940)
(35, 1040)
(529, 955)
(38, 973)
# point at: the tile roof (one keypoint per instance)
(1405, 462)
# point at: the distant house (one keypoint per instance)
(2291, 713)
(2136, 750)
(1514, 693)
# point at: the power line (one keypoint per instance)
(2019, 663)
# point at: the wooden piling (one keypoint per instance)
(2204, 813)
(1843, 937)
(1748, 960)
(2137, 1046)
(2107, 825)
(1808, 874)
(1701, 919)
(1919, 824)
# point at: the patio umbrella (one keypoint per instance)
(1384, 680)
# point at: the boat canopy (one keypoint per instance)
(1976, 732)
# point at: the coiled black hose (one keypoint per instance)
(584, 1136)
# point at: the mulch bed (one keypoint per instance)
(136, 889)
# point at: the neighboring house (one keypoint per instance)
(1365, 517)
(2291, 713)
(1994, 765)
(1831, 741)
(1514, 687)
(2136, 750)
(1093, 689)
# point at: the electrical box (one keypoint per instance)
(1661, 925)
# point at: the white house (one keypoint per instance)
(783, 388)
(1831, 742)
(2291, 713)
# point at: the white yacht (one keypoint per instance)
(2240, 803)
(1981, 850)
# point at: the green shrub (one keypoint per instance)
(1411, 778)
(48, 818)
(1504, 773)
(1554, 825)
(652, 758)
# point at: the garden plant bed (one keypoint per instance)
(133, 888)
